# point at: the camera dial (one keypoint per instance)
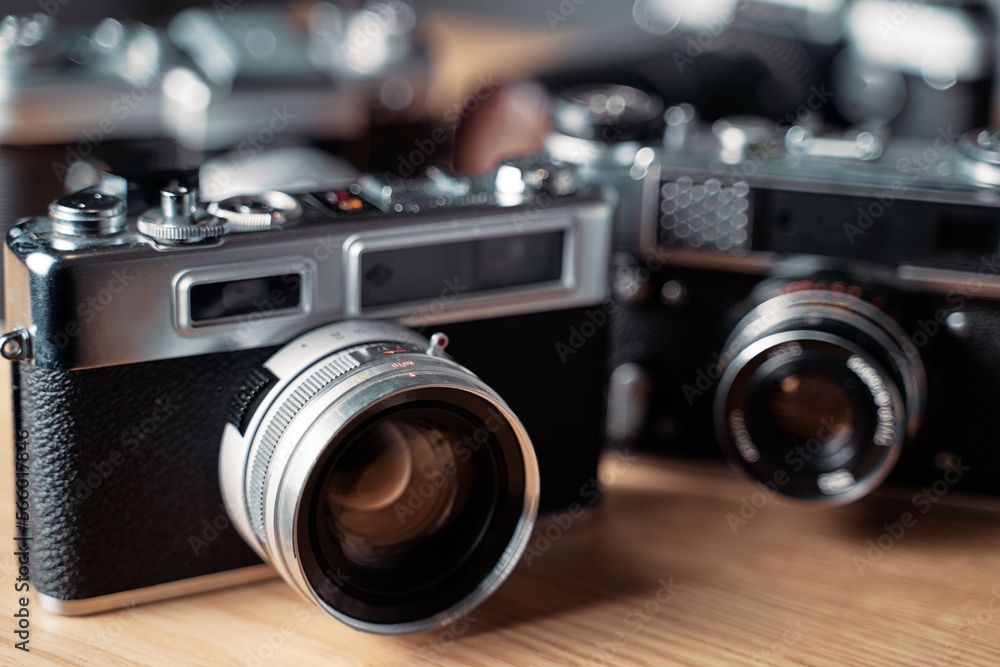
(981, 161)
(381, 479)
(266, 210)
(178, 220)
(87, 212)
(819, 393)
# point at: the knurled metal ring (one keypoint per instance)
(206, 226)
(331, 372)
(265, 210)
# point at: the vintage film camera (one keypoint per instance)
(824, 307)
(167, 95)
(383, 480)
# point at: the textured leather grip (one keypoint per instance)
(124, 472)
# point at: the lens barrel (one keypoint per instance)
(819, 393)
(385, 482)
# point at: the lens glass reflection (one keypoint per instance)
(414, 509)
(401, 482)
(812, 405)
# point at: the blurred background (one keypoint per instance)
(883, 57)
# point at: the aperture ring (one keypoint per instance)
(342, 363)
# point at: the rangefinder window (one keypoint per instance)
(267, 295)
(399, 275)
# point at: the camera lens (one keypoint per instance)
(387, 484)
(363, 500)
(819, 393)
(799, 402)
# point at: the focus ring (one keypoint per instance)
(290, 407)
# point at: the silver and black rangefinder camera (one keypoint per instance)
(206, 387)
(824, 307)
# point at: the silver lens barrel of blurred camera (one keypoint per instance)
(322, 391)
(829, 325)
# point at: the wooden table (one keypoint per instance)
(654, 574)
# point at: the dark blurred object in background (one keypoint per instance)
(916, 68)
(890, 67)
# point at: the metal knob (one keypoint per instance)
(981, 161)
(178, 202)
(179, 221)
(87, 212)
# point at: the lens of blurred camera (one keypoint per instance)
(389, 485)
(819, 393)
(800, 401)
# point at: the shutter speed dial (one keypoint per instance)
(179, 221)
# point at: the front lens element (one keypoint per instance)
(412, 509)
(397, 482)
(800, 402)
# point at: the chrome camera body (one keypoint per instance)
(202, 376)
